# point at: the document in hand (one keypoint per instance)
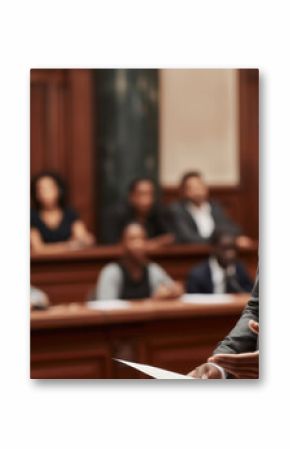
(156, 373)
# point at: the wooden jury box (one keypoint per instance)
(71, 276)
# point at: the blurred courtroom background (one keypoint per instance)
(101, 128)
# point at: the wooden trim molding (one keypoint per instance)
(249, 148)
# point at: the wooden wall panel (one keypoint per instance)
(82, 160)
(61, 132)
(249, 148)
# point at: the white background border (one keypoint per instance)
(144, 34)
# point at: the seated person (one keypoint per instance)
(135, 277)
(194, 217)
(38, 299)
(55, 227)
(142, 208)
(222, 272)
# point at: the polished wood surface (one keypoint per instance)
(71, 276)
(75, 341)
(249, 149)
(62, 134)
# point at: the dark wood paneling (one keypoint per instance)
(186, 349)
(249, 148)
(37, 131)
(48, 124)
(61, 132)
(82, 159)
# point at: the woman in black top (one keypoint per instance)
(55, 227)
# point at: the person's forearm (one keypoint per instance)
(87, 239)
(55, 248)
(162, 240)
(172, 291)
(81, 234)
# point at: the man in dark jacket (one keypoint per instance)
(237, 356)
(194, 217)
(221, 272)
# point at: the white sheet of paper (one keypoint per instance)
(206, 299)
(156, 373)
(108, 304)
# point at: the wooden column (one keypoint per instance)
(62, 132)
(249, 148)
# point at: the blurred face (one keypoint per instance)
(47, 192)
(195, 190)
(134, 241)
(142, 198)
(226, 251)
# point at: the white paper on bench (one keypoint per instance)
(156, 373)
(108, 304)
(206, 299)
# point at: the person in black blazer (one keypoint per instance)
(221, 272)
(237, 356)
(193, 218)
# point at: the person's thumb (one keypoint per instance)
(254, 326)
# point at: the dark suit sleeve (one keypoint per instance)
(161, 221)
(244, 278)
(192, 283)
(223, 221)
(241, 338)
(179, 227)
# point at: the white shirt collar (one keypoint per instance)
(218, 275)
(202, 217)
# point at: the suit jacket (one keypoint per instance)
(200, 279)
(241, 338)
(183, 226)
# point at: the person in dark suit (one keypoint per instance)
(193, 218)
(237, 356)
(141, 207)
(221, 272)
